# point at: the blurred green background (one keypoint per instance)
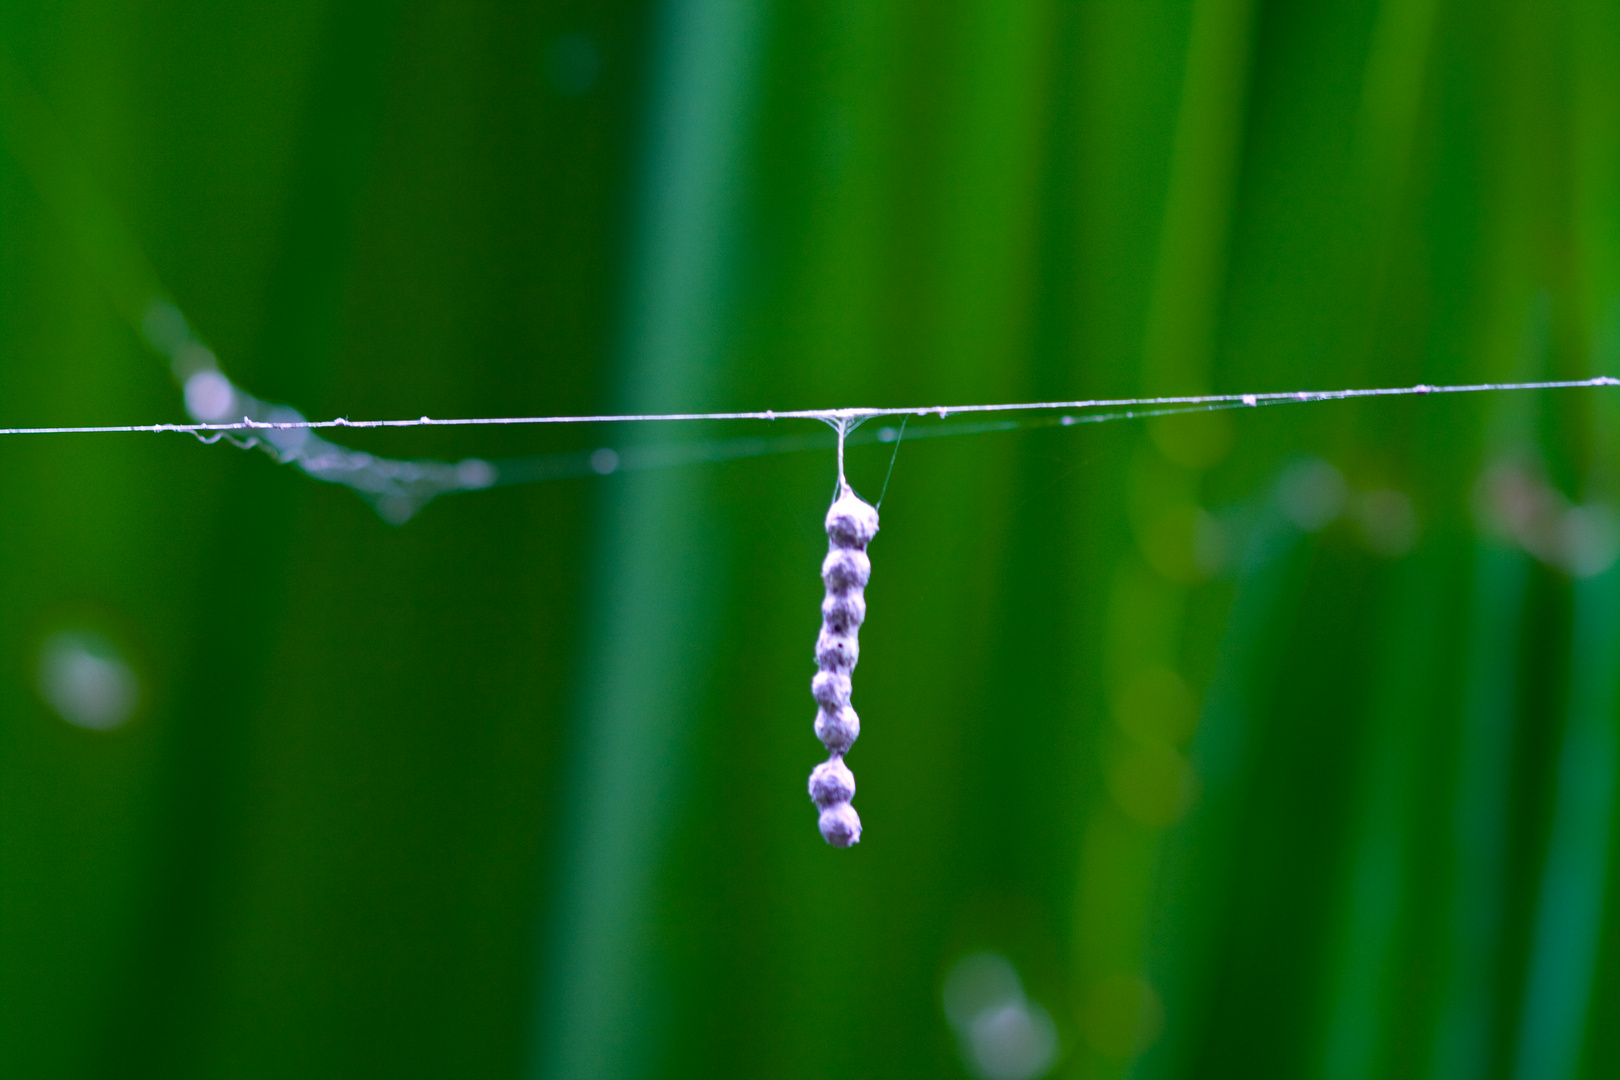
(1273, 743)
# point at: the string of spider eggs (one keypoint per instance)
(851, 523)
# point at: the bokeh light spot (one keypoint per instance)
(475, 473)
(165, 327)
(1152, 783)
(1311, 494)
(210, 397)
(1184, 543)
(1002, 1034)
(86, 680)
(1155, 704)
(1121, 1016)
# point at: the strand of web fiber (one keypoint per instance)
(851, 524)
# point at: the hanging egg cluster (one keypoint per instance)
(851, 524)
